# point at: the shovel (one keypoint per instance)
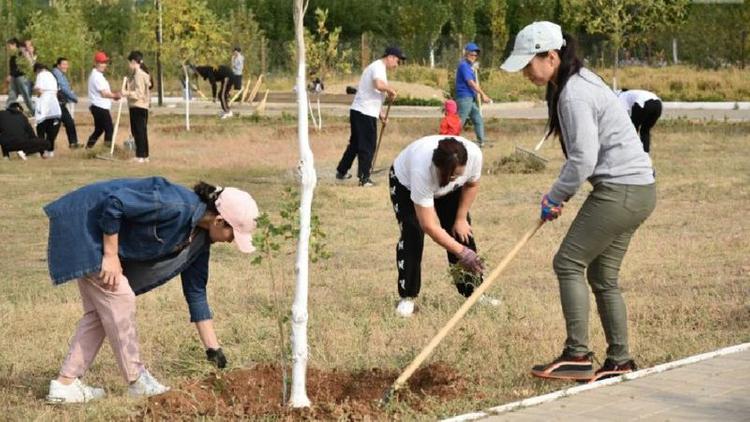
(478, 292)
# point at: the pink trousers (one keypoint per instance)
(109, 314)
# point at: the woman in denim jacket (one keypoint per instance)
(130, 236)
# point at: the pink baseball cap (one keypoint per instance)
(450, 107)
(239, 209)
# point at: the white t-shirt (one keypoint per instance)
(368, 99)
(414, 169)
(635, 96)
(97, 84)
(47, 106)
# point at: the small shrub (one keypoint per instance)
(517, 163)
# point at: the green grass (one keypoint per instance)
(686, 278)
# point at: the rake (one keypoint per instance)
(380, 139)
(111, 155)
(478, 292)
(532, 154)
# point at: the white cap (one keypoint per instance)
(538, 37)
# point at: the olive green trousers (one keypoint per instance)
(596, 243)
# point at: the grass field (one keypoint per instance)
(686, 278)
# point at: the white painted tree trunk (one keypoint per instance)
(308, 180)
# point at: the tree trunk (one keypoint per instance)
(432, 55)
(675, 59)
(614, 73)
(308, 180)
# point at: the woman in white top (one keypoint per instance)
(433, 183)
(47, 109)
(100, 96)
(644, 108)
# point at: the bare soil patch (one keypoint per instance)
(256, 392)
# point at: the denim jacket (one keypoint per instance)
(66, 94)
(154, 219)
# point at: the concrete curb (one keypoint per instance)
(533, 401)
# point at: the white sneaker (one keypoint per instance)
(48, 154)
(146, 386)
(405, 307)
(76, 392)
(227, 115)
(21, 155)
(489, 300)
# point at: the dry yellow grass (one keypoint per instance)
(686, 278)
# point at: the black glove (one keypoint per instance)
(216, 356)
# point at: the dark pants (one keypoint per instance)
(28, 146)
(139, 129)
(364, 131)
(70, 125)
(644, 118)
(47, 131)
(102, 124)
(411, 243)
(226, 87)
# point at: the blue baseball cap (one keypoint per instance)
(471, 47)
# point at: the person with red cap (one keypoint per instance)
(100, 97)
(131, 236)
(451, 123)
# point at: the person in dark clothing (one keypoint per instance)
(17, 135)
(66, 95)
(644, 108)
(18, 84)
(222, 76)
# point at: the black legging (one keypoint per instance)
(139, 129)
(102, 124)
(47, 130)
(70, 125)
(411, 242)
(644, 118)
(226, 87)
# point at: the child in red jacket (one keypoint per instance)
(451, 123)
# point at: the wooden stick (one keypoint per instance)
(117, 122)
(380, 137)
(262, 106)
(478, 292)
(246, 90)
(254, 92)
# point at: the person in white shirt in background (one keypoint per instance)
(364, 113)
(47, 111)
(100, 96)
(433, 184)
(644, 108)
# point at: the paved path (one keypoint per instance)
(716, 389)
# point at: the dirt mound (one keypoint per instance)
(517, 163)
(256, 392)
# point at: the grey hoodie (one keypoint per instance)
(601, 142)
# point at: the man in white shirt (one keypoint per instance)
(238, 64)
(364, 114)
(100, 96)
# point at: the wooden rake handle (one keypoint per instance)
(117, 122)
(380, 136)
(414, 365)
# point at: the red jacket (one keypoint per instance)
(450, 125)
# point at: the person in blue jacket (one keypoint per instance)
(131, 236)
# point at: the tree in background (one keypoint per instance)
(111, 21)
(76, 42)
(323, 55)
(246, 33)
(625, 22)
(463, 20)
(420, 22)
(495, 12)
(191, 32)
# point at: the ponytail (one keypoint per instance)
(138, 57)
(449, 154)
(570, 64)
(208, 194)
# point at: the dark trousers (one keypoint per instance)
(226, 87)
(102, 124)
(411, 242)
(644, 118)
(47, 131)
(364, 131)
(70, 125)
(139, 129)
(28, 146)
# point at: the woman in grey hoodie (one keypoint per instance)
(600, 145)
